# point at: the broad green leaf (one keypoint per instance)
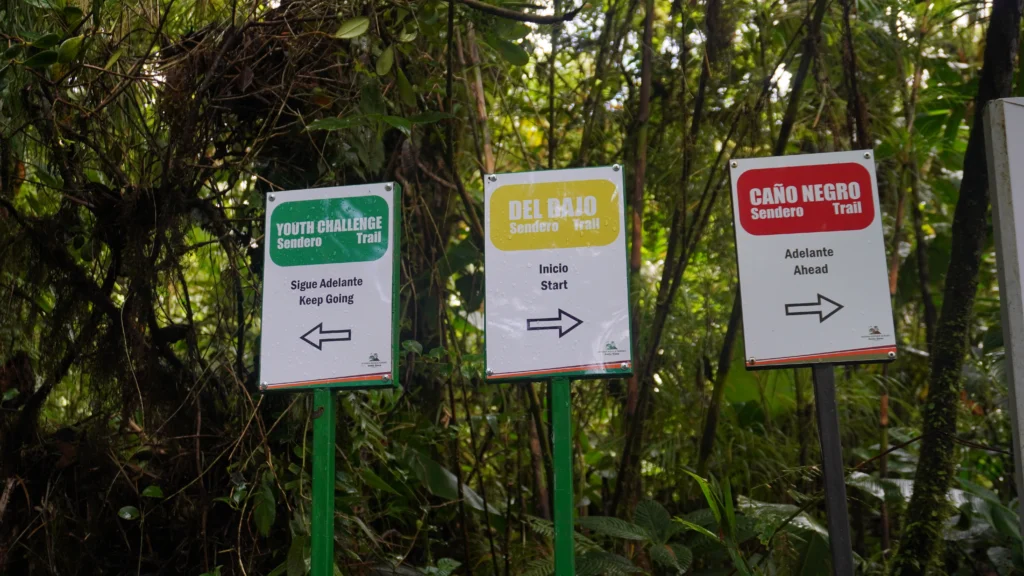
(48, 179)
(297, 555)
(41, 60)
(403, 125)
(601, 563)
(471, 291)
(46, 41)
(13, 51)
(412, 346)
(614, 527)
(683, 555)
(353, 28)
(407, 35)
(113, 58)
(73, 14)
(385, 60)
(69, 49)
(652, 516)
(128, 513)
(11, 394)
(265, 509)
(405, 91)
(667, 556)
(429, 117)
(375, 481)
(331, 124)
(770, 517)
(441, 482)
(516, 31)
(510, 51)
(815, 559)
(371, 102)
(153, 491)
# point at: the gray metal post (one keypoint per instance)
(832, 467)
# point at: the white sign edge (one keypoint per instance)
(396, 233)
(581, 375)
(737, 166)
(1008, 259)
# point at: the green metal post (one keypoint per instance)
(561, 433)
(322, 561)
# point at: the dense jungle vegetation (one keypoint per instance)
(138, 141)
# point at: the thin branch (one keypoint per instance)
(519, 16)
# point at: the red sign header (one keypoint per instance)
(802, 199)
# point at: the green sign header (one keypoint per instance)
(331, 231)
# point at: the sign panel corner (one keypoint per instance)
(811, 257)
(330, 288)
(556, 290)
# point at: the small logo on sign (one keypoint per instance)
(874, 334)
(374, 361)
(611, 351)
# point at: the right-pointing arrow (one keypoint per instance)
(564, 323)
(824, 308)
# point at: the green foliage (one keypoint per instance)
(138, 142)
(353, 28)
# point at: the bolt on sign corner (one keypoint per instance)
(813, 279)
(557, 294)
(329, 288)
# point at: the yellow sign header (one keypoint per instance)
(547, 215)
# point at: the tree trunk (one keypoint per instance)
(707, 439)
(928, 508)
(855, 108)
(810, 49)
(626, 481)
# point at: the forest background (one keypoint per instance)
(138, 139)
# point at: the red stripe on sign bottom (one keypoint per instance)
(878, 350)
(611, 366)
(363, 378)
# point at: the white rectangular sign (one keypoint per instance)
(330, 272)
(811, 258)
(1004, 126)
(557, 289)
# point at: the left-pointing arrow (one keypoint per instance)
(319, 336)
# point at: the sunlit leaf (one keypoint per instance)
(405, 90)
(153, 491)
(353, 28)
(128, 513)
(510, 51)
(69, 49)
(385, 60)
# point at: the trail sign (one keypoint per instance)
(557, 294)
(330, 274)
(811, 260)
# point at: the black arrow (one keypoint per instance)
(824, 308)
(554, 323)
(318, 343)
